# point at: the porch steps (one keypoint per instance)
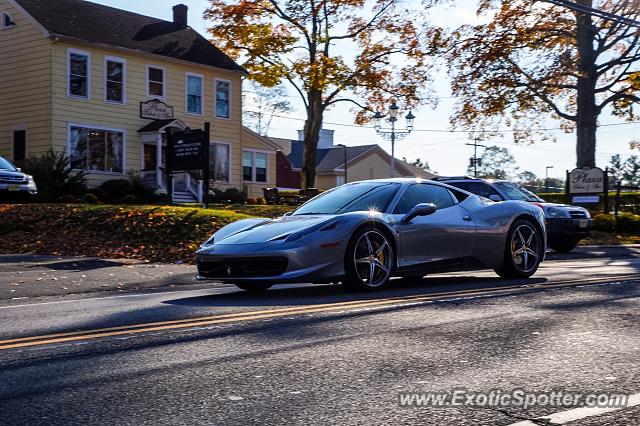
(184, 197)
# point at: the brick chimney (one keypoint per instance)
(180, 15)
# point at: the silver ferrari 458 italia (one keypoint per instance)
(364, 233)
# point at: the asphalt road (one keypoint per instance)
(316, 354)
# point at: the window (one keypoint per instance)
(5, 21)
(19, 145)
(155, 82)
(219, 162)
(115, 70)
(478, 188)
(363, 196)
(223, 98)
(194, 94)
(79, 66)
(424, 193)
(95, 149)
(254, 166)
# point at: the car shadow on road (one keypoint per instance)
(288, 295)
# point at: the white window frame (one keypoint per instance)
(122, 61)
(253, 165)
(105, 129)
(164, 81)
(2, 25)
(71, 51)
(229, 146)
(186, 93)
(215, 98)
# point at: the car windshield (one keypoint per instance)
(516, 192)
(364, 196)
(6, 165)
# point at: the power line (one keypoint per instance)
(541, 129)
(597, 12)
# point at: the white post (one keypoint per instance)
(159, 180)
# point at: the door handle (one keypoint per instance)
(467, 218)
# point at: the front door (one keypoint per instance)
(444, 236)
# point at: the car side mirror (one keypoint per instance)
(18, 169)
(495, 197)
(422, 209)
(287, 214)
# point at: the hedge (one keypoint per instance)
(629, 201)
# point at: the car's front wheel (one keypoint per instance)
(523, 251)
(369, 260)
(253, 287)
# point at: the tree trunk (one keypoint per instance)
(587, 111)
(312, 128)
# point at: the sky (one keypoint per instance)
(431, 141)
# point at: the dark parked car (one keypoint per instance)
(566, 224)
(14, 184)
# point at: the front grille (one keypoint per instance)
(577, 214)
(12, 179)
(243, 267)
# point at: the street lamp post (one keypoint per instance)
(392, 134)
(546, 178)
(344, 148)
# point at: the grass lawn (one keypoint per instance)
(154, 233)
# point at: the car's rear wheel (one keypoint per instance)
(253, 287)
(523, 251)
(563, 246)
(369, 260)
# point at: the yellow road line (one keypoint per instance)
(273, 313)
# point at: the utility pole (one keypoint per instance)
(475, 160)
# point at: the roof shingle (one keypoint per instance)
(96, 23)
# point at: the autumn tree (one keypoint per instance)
(497, 163)
(329, 51)
(420, 164)
(533, 60)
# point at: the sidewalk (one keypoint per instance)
(25, 276)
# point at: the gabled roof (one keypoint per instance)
(96, 23)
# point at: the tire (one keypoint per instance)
(563, 246)
(369, 253)
(254, 287)
(523, 251)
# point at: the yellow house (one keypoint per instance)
(106, 85)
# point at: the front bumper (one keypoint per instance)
(565, 229)
(274, 263)
(17, 188)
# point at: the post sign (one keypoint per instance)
(586, 181)
(585, 199)
(189, 150)
(155, 109)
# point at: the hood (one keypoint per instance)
(272, 229)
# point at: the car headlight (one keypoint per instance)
(320, 227)
(555, 212)
(209, 242)
(31, 184)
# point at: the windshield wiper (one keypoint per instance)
(308, 214)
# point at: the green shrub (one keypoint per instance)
(233, 196)
(130, 199)
(604, 223)
(115, 190)
(143, 193)
(91, 199)
(54, 177)
(628, 223)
